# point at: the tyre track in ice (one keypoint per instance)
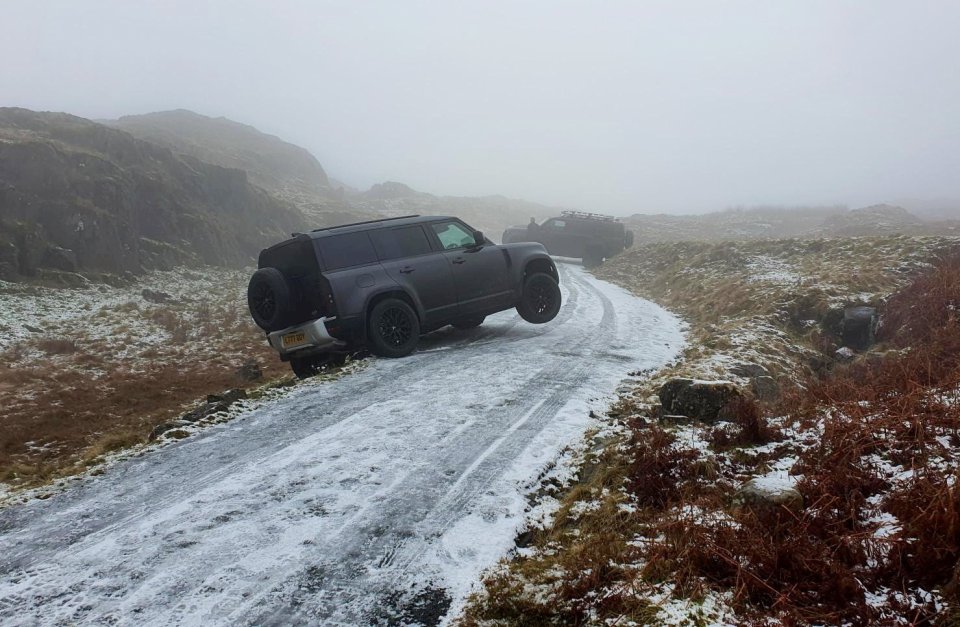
(19, 552)
(306, 415)
(434, 510)
(318, 506)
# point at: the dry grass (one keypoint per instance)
(878, 538)
(72, 399)
(58, 346)
(885, 417)
(772, 302)
(747, 426)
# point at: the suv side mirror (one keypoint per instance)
(478, 238)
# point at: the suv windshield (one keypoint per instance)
(453, 235)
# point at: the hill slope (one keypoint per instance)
(285, 170)
(766, 223)
(293, 174)
(75, 194)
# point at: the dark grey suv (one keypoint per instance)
(381, 284)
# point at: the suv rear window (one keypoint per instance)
(343, 251)
(408, 241)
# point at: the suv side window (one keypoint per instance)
(452, 235)
(408, 241)
(344, 251)
(556, 224)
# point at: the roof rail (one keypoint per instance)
(589, 216)
(338, 226)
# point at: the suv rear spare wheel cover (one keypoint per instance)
(268, 297)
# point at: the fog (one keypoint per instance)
(615, 106)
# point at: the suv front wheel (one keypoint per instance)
(393, 329)
(540, 300)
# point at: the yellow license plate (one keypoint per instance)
(292, 339)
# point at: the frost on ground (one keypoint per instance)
(835, 503)
(89, 370)
(376, 499)
(768, 303)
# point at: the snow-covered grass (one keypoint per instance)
(651, 533)
(767, 302)
(87, 371)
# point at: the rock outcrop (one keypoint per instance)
(769, 494)
(700, 400)
(76, 195)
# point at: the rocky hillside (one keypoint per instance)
(285, 170)
(78, 195)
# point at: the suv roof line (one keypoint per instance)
(340, 226)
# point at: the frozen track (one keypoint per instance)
(374, 499)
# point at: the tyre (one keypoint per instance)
(628, 239)
(268, 297)
(468, 323)
(306, 367)
(592, 257)
(540, 301)
(393, 329)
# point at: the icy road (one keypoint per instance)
(378, 498)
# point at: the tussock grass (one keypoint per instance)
(58, 346)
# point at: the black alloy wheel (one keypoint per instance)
(393, 328)
(540, 301)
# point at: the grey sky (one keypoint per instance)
(617, 106)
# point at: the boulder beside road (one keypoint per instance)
(700, 400)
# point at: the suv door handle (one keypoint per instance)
(407, 269)
(459, 260)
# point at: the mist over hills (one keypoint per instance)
(155, 190)
(490, 214)
(293, 174)
(285, 170)
(160, 189)
(787, 222)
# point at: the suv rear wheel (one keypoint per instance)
(592, 257)
(268, 297)
(393, 329)
(540, 300)
(306, 367)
